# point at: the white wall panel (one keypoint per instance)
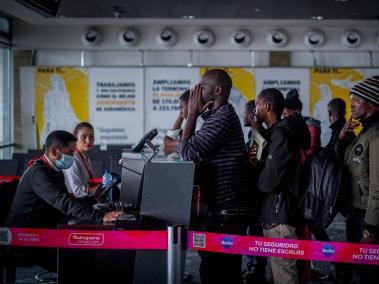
(58, 57)
(69, 36)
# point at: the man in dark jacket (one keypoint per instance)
(249, 121)
(256, 265)
(279, 175)
(42, 199)
(337, 113)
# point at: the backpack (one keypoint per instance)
(322, 176)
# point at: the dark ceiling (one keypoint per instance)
(209, 9)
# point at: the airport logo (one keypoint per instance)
(328, 250)
(5, 236)
(86, 239)
(227, 242)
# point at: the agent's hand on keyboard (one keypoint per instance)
(111, 216)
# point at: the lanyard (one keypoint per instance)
(46, 162)
(87, 165)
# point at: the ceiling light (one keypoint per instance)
(341, 0)
(118, 12)
(351, 39)
(313, 38)
(188, 17)
(129, 37)
(318, 18)
(277, 38)
(204, 38)
(166, 38)
(240, 38)
(256, 9)
(91, 37)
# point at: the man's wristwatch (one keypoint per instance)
(367, 235)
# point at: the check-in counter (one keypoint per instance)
(164, 198)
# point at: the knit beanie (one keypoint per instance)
(368, 89)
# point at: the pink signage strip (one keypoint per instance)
(84, 239)
(8, 178)
(287, 248)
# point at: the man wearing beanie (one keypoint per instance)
(361, 163)
(292, 102)
(294, 106)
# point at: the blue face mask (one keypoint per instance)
(65, 162)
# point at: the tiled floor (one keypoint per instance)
(335, 231)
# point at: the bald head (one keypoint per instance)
(220, 77)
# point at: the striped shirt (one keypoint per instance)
(219, 150)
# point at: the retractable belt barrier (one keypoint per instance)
(10, 178)
(286, 248)
(83, 239)
(204, 241)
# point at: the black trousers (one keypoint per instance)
(354, 229)
(43, 257)
(222, 267)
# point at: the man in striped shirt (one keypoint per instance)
(218, 149)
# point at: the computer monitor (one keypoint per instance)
(145, 139)
(131, 178)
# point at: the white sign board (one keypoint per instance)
(116, 104)
(163, 86)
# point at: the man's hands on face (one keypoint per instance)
(349, 126)
(196, 104)
(111, 216)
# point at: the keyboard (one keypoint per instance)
(114, 206)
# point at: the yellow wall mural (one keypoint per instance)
(61, 99)
(327, 84)
(330, 83)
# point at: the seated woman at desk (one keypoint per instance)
(79, 178)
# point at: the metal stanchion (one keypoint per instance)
(174, 253)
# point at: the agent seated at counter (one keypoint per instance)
(42, 199)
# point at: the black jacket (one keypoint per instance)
(42, 200)
(279, 178)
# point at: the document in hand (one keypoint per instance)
(257, 139)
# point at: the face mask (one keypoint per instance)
(65, 162)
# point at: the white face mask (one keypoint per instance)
(65, 162)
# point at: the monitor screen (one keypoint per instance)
(148, 136)
(131, 178)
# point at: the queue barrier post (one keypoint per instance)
(174, 250)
